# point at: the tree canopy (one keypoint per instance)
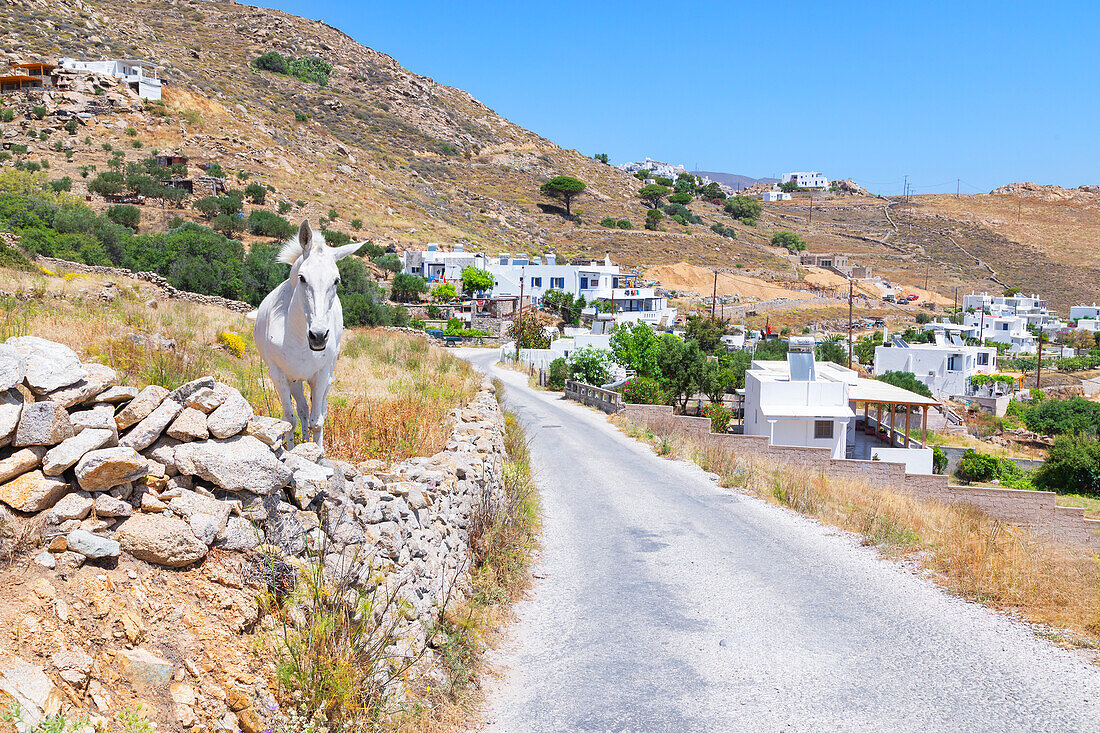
(790, 240)
(634, 346)
(564, 189)
(653, 193)
(743, 208)
(475, 280)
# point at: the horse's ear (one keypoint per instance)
(348, 249)
(305, 236)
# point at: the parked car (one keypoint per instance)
(448, 340)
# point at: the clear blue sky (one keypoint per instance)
(987, 92)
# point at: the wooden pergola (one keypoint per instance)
(15, 82)
(889, 397)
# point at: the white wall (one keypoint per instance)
(916, 460)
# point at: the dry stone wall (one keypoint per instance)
(1036, 509)
(168, 476)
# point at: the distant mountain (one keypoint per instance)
(734, 180)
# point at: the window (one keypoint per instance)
(983, 359)
(556, 282)
(584, 283)
(823, 429)
(953, 362)
(536, 282)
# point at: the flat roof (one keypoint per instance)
(34, 65)
(806, 411)
(873, 390)
(19, 77)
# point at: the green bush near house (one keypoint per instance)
(124, 215)
(1072, 466)
(643, 391)
(558, 373)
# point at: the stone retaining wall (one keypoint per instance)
(1036, 509)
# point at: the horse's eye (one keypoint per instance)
(302, 279)
(337, 281)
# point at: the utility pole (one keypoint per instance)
(519, 316)
(811, 217)
(955, 306)
(714, 296)
(905, 189)
(1039, 361)
(956, 188)
(850, 292)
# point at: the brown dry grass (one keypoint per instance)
(968, 552)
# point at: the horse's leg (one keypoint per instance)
(318, 410)
(298, 389)
(282, 388)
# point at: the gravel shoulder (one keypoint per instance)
(664, 602)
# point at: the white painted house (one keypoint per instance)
(141, 76)
(1084, 311)
(944, 368)
(1004, 328)
(800, 402)
(776, 196)
(807, 179)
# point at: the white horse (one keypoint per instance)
(298, 329)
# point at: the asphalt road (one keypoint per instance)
(666, 603)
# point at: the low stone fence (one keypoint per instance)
(1035, 509)
(151, 278)
(604, 399)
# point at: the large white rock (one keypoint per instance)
(100, 417)
(19, 463)
(115, 395)
(13, 368)
(143, 668)
(99, 378)
(71, 450)
(189, 503)
(50, 365)
(189, 425)
(241, 463)
(183, 393)
(42, 423)
(270, 430)
(106, 468)
(73, 506)
(92, 545)
(141, 406)
(230, 417)
(33, 492)
(11, 404)
(30, 688)
(111, 506)
(148, 430)
(161, 540)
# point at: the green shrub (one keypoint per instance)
(791, 241)
(743, 208)
(264, 223)
(301, 117)
(271, 61)
(939, 460)
(641, 390)
(284, 207)
(62, 184)
(7, 115)
(227, 224)
(905, 380)
(333, 215)
(591, 366)
(559, 372)
(310, 69)
(38, 111)
(608, 222)
(388, 262)
(653, 218)
(1058, 417)
(624, 224)
(19, 149)
(719, 415)
(1072, 466)
(124, 215)
(356, 224)
(981, 467)
(255, 193)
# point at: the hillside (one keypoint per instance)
(735, 181)
(402, 160)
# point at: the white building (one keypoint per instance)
(437, 266)
(799, 402)
(776, 196)
(945, 369)
(1084, 311)
(807, 179)
(141, 76)
(1004, 328)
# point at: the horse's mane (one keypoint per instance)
(292, 249)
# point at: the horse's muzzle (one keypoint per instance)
(317, 342)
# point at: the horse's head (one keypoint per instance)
(315, 278)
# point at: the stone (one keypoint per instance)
(11, 404)
(148, 430)
(20, 462)
(152, 504)
(309, 451)
(182, 694)
(417, 498)
(206, 400)
(69, 560)
(99, 378)
(45, 559)
(230, 417)
(307, 481)
(58, 544)
(401, 488)
(240, 463)
(71, 450)
(141, 406)
(143, 668)
(50, 365)
(185, 392)
(73, 666)
(33, 492)
(116, 395)
(100, 417)
(106, 468)
(91, 545)
(13, 368)
(236, 698)
(110, 506)
(42, 423)
(239, 535)
(164, 452)
(101, 698)
(270, 430)
(204, 527)
(30, 688)
(189, 425)
(161, 540)
(73, 506)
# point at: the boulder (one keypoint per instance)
(92, 546)
(189, 503)
(159, 539)
(116, 395)
(309, 451)
(144, 669)
(206, 400)
(19, 463)
(111, 506)
(30, 688)
(99, 378)
(307, 481)
(189, 425)
(230, 417)
(204, 527)
(149, 429)
(11, 404)
(73, 506)
(42, 423)
(238, 535)
(13, 368)
(184, 393)
(100, 417)
(141, 406)
(33, 492)
(270, 430)
(50, 365)
(70, 450)
(106, 468)
(73, 666)
(240, 463)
